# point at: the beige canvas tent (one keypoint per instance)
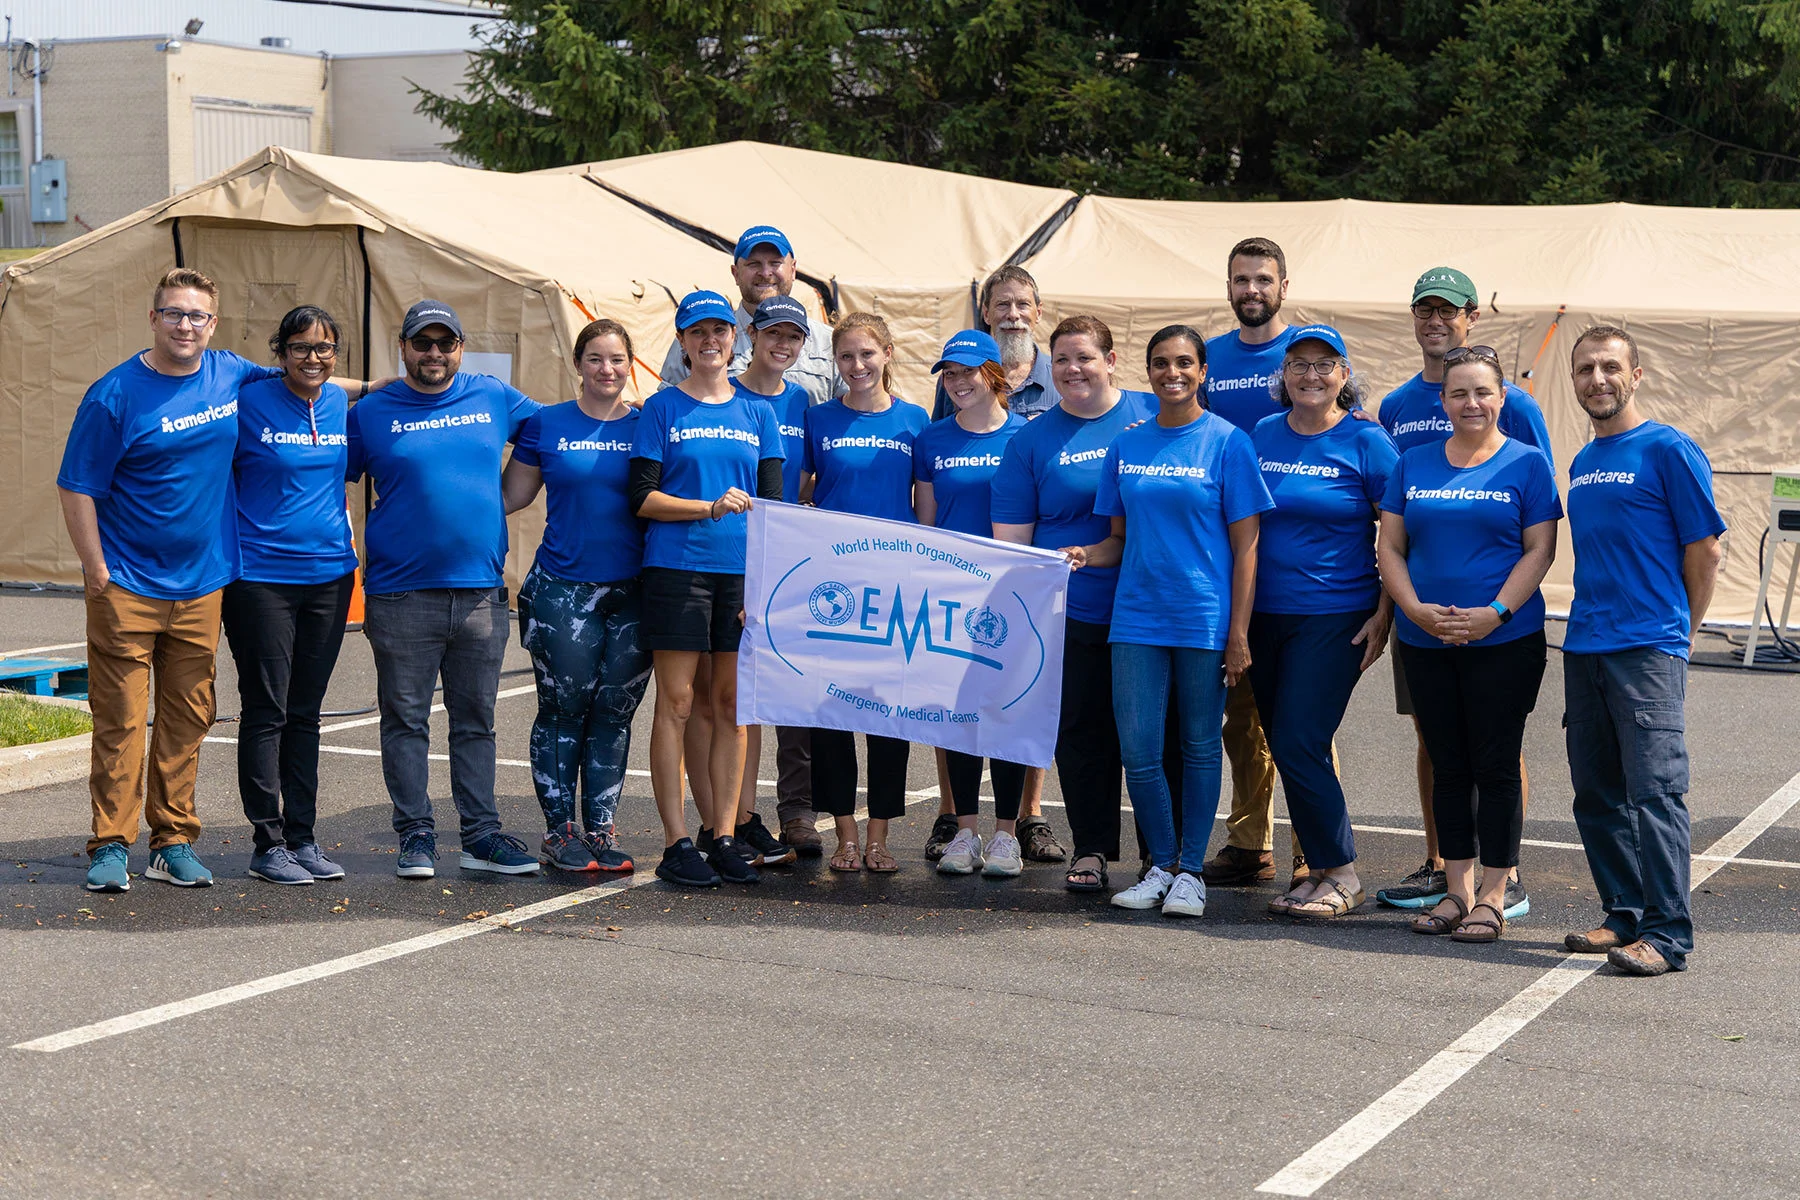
(905, 242)
(1707, 293)
(527, 259)
(523, 260)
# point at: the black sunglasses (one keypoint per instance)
(1463, 353)
(445, 344)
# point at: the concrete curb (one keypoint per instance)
(44, 763)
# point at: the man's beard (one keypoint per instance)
(431, 374)
(1619, 401)
(1260, 314)
(1016, 346)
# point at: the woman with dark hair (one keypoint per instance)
(1468, 529)
(704, 451)
(859, 459)
(579, 606)
(284, 615)
(1185, 496)
(1321, 618)
(1043, 495)
(954, 462)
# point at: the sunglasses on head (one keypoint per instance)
(1464, 353)
(445, 344)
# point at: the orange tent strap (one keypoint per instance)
(1531, 371)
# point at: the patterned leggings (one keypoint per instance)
(591, 674)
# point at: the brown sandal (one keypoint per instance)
(1480, 929)
(1436, 925)
(1336, 902)
(848, 858)
(877, 859)
(1285, 903)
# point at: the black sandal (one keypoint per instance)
(1089, 879)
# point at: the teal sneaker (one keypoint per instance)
(107, 872)
(177, 864)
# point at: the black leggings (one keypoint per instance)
(834, 774)
(1471, 704)
(965, 785)
(1087, 742)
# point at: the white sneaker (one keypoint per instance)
(1187, 898)
(1147, 892)
(1004, 858)
(962, 856)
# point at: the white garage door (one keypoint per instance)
(226, 133)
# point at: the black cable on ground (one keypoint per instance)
(1779, 649)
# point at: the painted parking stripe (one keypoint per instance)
(336, 966)
(502, 694)
(44, 649)
(1363, 1132)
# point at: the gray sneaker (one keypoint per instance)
(277, 864)
(1422, 889)
(1003, 857)
(308, 855)
(963, 855)
(418, 856)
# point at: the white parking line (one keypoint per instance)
(502, 694)
(336, 966)
(1363, 1132)
(44, 649)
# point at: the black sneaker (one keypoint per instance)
(704, 842)
(1422, 889)
(729, 860)
(1517, 902)
(943, 832)
(763, 848)
(682, 866)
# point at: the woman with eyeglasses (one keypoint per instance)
(954, 462)
(704, 452)
(284, 616)
(1185, 496)
(1468, 529)
(1321, 618)
(580, 605)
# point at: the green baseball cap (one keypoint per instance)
(1446, 283)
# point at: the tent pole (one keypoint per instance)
(362, 248)
(175, 231)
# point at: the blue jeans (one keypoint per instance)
(591, 674)
(459, 634)
(1303, 668)
(1629, 763)
(1141, 678)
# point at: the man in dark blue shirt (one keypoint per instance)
(434, 445)
(1646, 535)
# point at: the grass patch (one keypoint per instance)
(10, 254)
(25, 722)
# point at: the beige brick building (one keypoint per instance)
(137, 119)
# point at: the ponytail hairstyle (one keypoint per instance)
(603, 327)
(876, 328)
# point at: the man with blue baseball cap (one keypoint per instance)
(762, 265)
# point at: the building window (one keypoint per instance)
(12, 162)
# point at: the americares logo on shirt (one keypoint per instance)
(947, 462)
(1414, 492)
(206, 416)
(712, 432)
(1065, 459)
(281, 437)
(1431, 424)
(474, 418)
(563, 443)
(1242, 383)
(1162, 470)
(1625, 477)
(1322, 470)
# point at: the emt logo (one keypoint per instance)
(884, 617)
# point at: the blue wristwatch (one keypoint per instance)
(1505, 612)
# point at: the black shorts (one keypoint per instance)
(692, 610)
(1403, 702)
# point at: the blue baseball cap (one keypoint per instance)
(703, 306)
(780, 310)
(970, 348)
(1321, 333)
(761, 235)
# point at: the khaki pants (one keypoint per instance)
(133, 640)
(1251, 825)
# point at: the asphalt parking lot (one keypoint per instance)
(825, 1035)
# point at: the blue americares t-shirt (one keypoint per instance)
(289, 469)
(960, 466)
(1413, 415)
(863, 462)
(790, 413)
(590, 534)
(1317, 549)
(1179, 491)
(704, 450)
(439, 520)
(1241, 378)
(1636, 501)
(154, 451)
(1048, 478)
(1465, 530)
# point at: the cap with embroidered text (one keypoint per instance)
(1320, 333)
(780, 310)
(703, 306)
(761, 235)
(427, 313)
(970, 348)
(1446, 283)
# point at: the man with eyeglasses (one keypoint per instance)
(1445, 309)
(434, 444)
(146, 493)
